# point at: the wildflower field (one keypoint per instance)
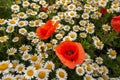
(59, 39)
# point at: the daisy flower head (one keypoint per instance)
(76, 28)
(8, 77)
(5, 66)
(83, 22)
(102, 3)
(32, 23)
(106, 27)
(71, 7)
(72, 14)
(61, 74)
(14, 64)
(25, 4)
(10, 29)
(20, 68)
(12, 22)
(34, 58)
(95, 66)
(89, 69)
(31, 35)
(99, 44)
(59, 36)
(35, 41)
(95, 38)
(42, 74)
(38, 65)
(88, 77)
(99, 60)
(54, 41)
(73, 35)
(83, 35)
(85, 16)
(87, 6)
(15, 39)
(112, 53)
(22, 23)
(66, 27)
(22, 15)
(26, 56)
(67, 38)
(90, 30)
(23, 31)
(80, 70)
(15, 8)
(30, 72)
(49, 65)
(3, 38)
(115, 7)
(2, 21)
(11, 51)
(24, 48)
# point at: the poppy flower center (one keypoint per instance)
(70, 52)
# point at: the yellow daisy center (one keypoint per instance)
(30, 72)
(61, 74)
(34, 58)
(20, 68)
(8, 79)
(42, 74)
(49, 66)
(3, 66)
(80, 70)
(2, 21)
(112, 53)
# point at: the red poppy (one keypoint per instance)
(70, 53)
(46, 30)
(103, 10)
(115, 22)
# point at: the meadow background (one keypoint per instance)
(110, 39)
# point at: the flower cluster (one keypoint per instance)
(60, 40)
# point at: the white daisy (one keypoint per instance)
(88, 77)
(42, 74)
(59, 36)
(72, 14)
(11, 51)
(22, 15)
(3, 38)
(2, 21)
(99, 44)
(85, 16)
(15, 8)
(71, 7)
(112, 53)
(83, 35)
(61, 74)
(38, 65)
(20, 68)
(12, 22)
(67, 38)
(22, 23)
(106, 27)
(49, 65)
(10, 29)
(73, 35)
(8, 77)
(30, 72)
(23, 31)
(80, 70)
(5, 67)
(99, 60)
(25, 4)
(76, 28)
(26, 56)
(66, 27)
(15, 39)
(24, 48)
